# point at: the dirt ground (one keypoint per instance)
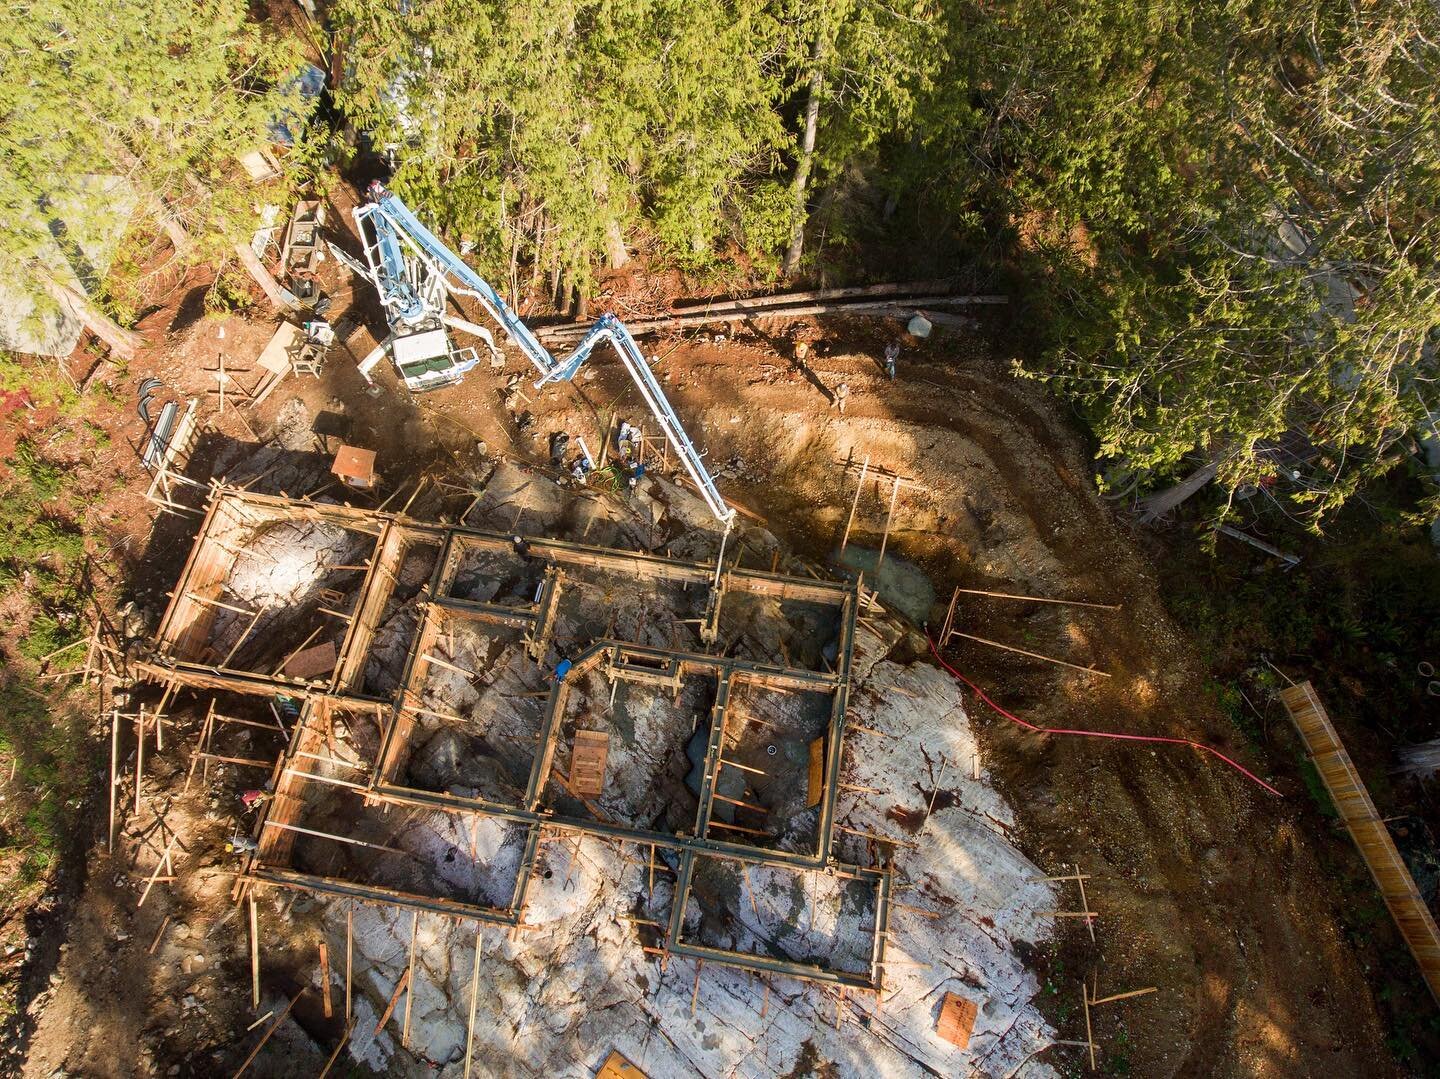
(1207, 887)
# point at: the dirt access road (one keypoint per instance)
(1204, 884)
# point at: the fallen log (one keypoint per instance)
(895, 309)
(779, 299)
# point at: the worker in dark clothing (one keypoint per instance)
(892, 357)
(559, 447)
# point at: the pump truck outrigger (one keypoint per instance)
(414, 272)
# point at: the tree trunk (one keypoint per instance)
(807, 158)
(513, 277)
(1155, 506)
(538, 254)
(122, 342)
(281, 298)
(615, 253)
(179, 238)
(565, 298)
(892, 201)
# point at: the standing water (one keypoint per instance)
(901, 584)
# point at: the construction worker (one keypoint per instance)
(627, 441)
(842, 392)
(892, 356)
(581, 468)
(559, 447)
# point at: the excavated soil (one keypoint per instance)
(1205, 885)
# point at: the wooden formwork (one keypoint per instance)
(180, 659)
(1397, 887)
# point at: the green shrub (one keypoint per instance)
(45, 479)
(48, 744)
(48, 633)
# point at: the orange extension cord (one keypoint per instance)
(1098, 734)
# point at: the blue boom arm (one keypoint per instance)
(394, 222)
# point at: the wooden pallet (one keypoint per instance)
(1352, 801)
(587, 764)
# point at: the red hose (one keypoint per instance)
(1099, 734)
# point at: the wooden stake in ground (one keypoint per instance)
(1123, 996)
(161, 864)
(160, 713)
(1038, 599)
(474, 996)
(158, 934)
(273, 1028)
(864, 468)
(335, 1055)
(1032, 655)
(204, 744)
(889, 516)
(410, 980)
(400, 987)
(139, 754)
(349, 953)
(325, 977)
(949, 618)
(1085, 903)
(1084, 912)
(1093, 1001)
(114, 779)
(254, 955)
(934, 793)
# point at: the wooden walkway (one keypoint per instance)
(1352, 801)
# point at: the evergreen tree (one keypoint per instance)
(556, 130)
(1236, 212)
(860, 66)
(164, 94)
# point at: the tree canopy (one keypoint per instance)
(164, 95)
(558, 127)
(1219, 220)
(1234, 213)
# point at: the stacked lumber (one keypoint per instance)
(900, 300)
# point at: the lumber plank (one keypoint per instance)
(1352, 801)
